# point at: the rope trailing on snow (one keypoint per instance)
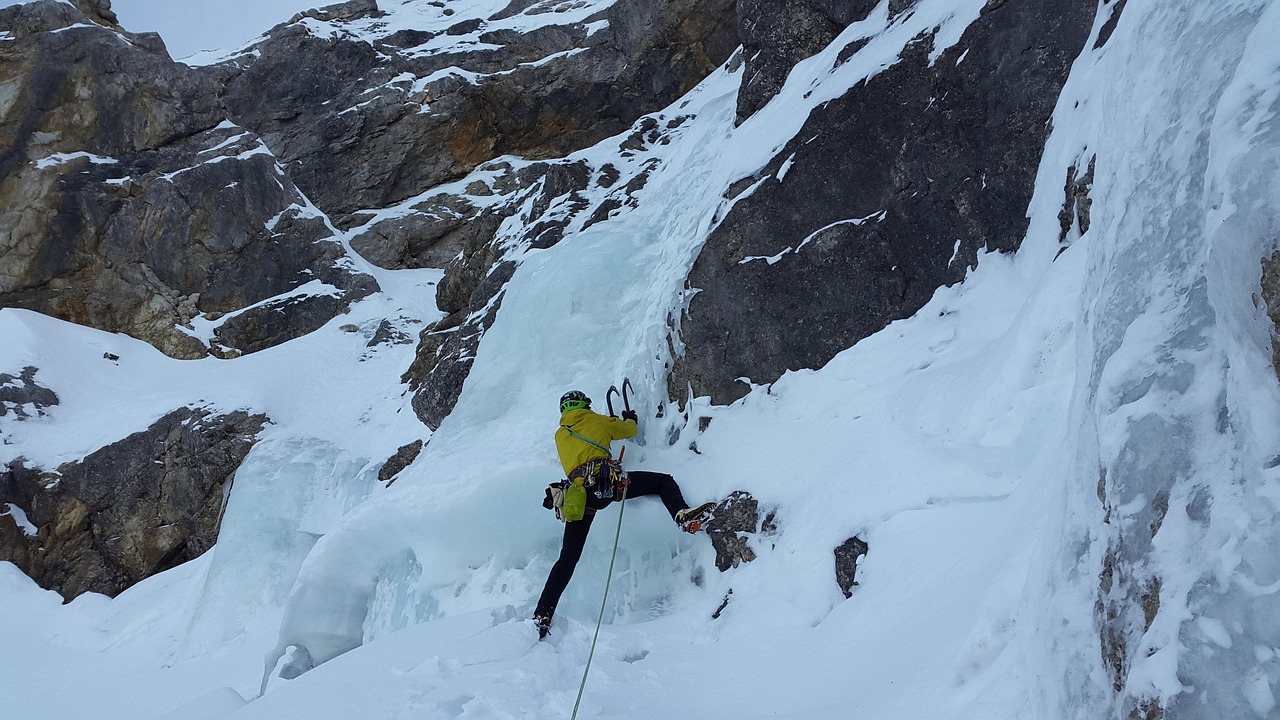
(603, 601)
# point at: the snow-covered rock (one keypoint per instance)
(132, 509)
(129, 203)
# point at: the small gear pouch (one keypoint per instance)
(575, 502)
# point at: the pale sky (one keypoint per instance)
(190, 26)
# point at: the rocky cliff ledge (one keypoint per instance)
(890, 192)
(129, 202)
(132, 509)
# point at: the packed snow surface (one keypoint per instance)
(963, 445)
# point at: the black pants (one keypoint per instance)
(575, 533)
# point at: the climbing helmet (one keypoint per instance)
(574, 400)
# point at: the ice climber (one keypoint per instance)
(583, 441)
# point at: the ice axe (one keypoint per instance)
(626, 399)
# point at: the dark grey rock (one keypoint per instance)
(22, 395)
(432, 236)
(130, 205)
(1076, 206)
(465, 27)
(130, 510)
(401, 459)
(1133, 492)
(549, 196)
(735, 519)
(847, 556)
(897, 7)
(1271, 299)
(777, 34)
(1113, 8)
(389, 334)
(891, 192)
(350, 10)
(98, 10)
(724, 604)
(446, 350)
(277, 321)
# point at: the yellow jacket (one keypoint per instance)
(598, 428)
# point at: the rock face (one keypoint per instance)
(129, 203)
(1074, 216)
(890, 193)
(777, 34)
(337, 87)
(132, 509)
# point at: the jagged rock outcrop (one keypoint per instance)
(100, 11)
(891, 191)
(399, 460)
(777, 34)
(129, 203)
(1074, 216)
(129, 510)
(734, 520)
(1113, 9)
(1271, 300)
(332, 89)
(387, 333)
(847, 555)
(23, 396)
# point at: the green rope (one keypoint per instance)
(603, 601)
(589, 441)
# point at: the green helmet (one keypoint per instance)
(574, 400)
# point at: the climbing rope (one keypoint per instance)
(603, 601)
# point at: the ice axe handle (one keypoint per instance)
(608, 398)
(626, 388)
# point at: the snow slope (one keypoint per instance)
(963, 444)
